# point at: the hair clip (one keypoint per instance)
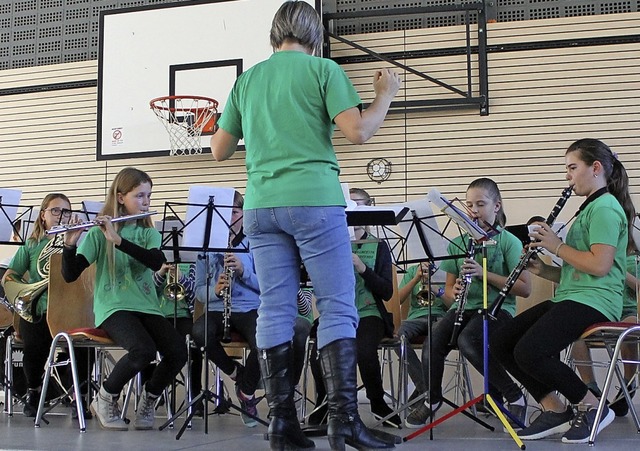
(615, 155)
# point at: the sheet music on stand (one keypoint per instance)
(91, 209)
(202, 198)
(9, 203)
(382, 218)
(458, 216)
(423, 240)
(165, 227)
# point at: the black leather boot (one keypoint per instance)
(276, 367)
(338, 361)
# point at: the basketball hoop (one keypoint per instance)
(186, 118)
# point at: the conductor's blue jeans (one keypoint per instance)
(280, 238)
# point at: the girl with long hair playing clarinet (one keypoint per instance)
(125, 301)
(484, 203)
(590, 289)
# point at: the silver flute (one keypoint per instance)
(62, 228)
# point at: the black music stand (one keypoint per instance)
(460, 219)
(421, 233)
(210, 210)
(172, 235)
(9, 217)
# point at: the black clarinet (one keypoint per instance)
(461, 298)
(226, 303)
(524, 260)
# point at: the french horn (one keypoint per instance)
(22, 295)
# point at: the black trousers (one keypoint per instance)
(142, 336)
(37, 343)
(529, 345)
(245, 325)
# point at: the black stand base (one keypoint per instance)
(207, 396)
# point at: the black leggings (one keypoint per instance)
(529, 345)
(470, 343)
(369, 334)
(184, 327)
(37, 343)
(245, 324)
(142, 335)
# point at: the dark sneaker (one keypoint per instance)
(32, 399)
(582, 424)
(519, 413)
(420, 416)
(198, 409)
(74, 411)
(548, 423)
(414, 395)
(381, 410)
(248, 404)
(620, 406)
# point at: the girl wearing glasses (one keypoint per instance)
(55, 209)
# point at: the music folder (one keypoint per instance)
(364, 215)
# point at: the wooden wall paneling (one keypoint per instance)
(540, 100)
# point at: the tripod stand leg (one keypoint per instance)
(505, 422)
(462, 409)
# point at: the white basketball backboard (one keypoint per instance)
(196, 48)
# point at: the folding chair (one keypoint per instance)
(611, 336)
(71, 323)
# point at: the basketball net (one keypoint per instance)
(186, 118)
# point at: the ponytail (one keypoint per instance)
(592, 150)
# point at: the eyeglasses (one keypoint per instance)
(57, 211)
(362, 201)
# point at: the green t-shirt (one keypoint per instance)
(365, 302)
(601, 222)
(630, 301)
(26, 259)
(284, 109)
(416, 310)
(501, 259)
(133, 288)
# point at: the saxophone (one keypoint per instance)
(21, 295)
(225, 294)
(461, 298)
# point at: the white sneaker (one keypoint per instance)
(146, 414)
(105, 407)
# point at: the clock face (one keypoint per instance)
(379, 169)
